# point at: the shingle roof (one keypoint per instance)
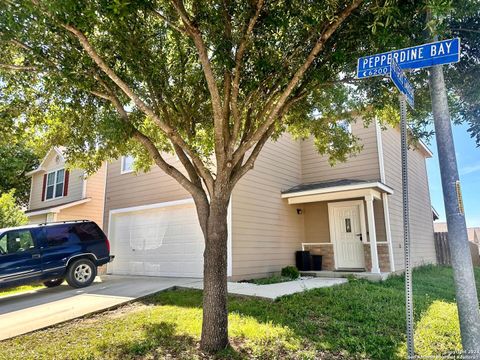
(327, 184)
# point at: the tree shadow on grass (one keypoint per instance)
(160, 337)
(160, 341)
(360, 319)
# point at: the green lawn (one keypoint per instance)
(19, 289)
(357, 320)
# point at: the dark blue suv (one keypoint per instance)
(51, 253)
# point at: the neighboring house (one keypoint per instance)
(59, 194)
(474, 235)
(350, 213)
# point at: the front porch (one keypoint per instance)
(347, 222)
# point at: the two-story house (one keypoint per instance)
(60, 194)
(293, 199)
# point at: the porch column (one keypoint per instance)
(386, 213)
(372, 234)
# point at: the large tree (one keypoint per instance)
(16, 159)
(211, 81)
(19, 151)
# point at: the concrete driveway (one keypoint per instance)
(26, 312)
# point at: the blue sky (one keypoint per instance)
(468, 159)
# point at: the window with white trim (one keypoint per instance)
(55, 184)
(127, 164)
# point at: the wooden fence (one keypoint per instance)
(441, 248)
(443, 252)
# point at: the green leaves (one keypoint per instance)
(10, 212)
(67, 97)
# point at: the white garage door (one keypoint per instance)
(163, 241)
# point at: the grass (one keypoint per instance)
(19, 289)
(357, 320)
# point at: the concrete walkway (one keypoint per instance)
(25, 312)
(273, 291)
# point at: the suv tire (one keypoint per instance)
(53, 283)
(81, 273)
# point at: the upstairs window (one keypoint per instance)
(127, 164)
(55, 184)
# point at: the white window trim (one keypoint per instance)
(55, 184)
(122, 170)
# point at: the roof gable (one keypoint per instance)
(54, 158)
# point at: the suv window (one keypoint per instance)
(59, 235)
(16, 241)
(87, 231)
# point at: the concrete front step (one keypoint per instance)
(345, 274)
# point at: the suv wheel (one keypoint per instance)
(53, 282)
(81, 273)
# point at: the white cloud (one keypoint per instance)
(470, 169)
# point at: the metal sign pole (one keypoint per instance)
(406, 227)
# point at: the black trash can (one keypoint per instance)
(317, 262)
(303, 260)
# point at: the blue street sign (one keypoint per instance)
(436, 53)
(401, 82)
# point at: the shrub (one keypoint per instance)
(290, 272)
(10, 212)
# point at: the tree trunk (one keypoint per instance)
(215, 314)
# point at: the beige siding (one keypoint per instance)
(37, 219)
(379, 220)
(131, 189)
(317, 228)
(363, 166)
(423, 247)
(92, 210)
(266, 231)
(75, 185)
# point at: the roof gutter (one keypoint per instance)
(57, 209)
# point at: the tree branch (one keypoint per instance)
(24, 46)
(219, 121)
(170, 170)
(194, 186)
(18, 67)
(238, 69)
(319, 45)
(101, 95)
(466, 30)
(168, 22)
(171, 133)
(249, 164)
(187, 164)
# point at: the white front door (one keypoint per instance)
(346, 230)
